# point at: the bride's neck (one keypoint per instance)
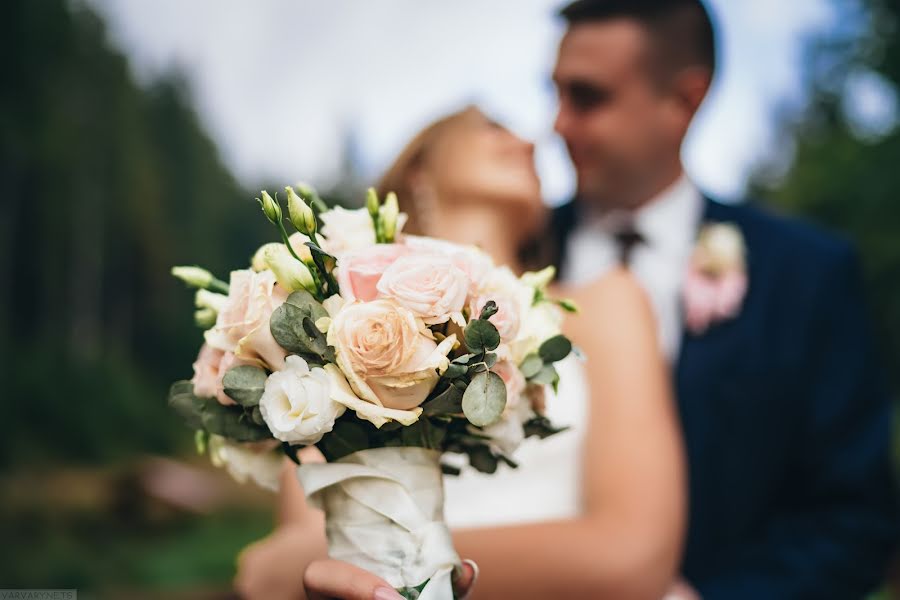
(484, 225)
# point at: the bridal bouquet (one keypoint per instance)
(384, 351)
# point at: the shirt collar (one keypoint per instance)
(669, 222)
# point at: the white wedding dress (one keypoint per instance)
(547, 484)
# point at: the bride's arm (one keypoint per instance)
(628, 543)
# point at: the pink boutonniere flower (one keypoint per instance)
(716, 281)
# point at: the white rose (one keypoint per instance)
(247, 461)
(430, 285)
(242, 325)
(297, 403)
(387, 354)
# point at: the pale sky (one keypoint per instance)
(278, 82)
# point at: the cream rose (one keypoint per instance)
(429, 285)
(387, 354)
(474, 262)
(297, 403)
(359, 271)
(539, 323)
(259, 462)
(242, 325)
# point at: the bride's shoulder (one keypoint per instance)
(614, 291)
(615, 298)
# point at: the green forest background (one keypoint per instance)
(104, 185)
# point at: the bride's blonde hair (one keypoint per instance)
(399, 176)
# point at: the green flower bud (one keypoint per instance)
(211, 300)
(372, 202)
(270, 207)
(301, 215)
(205, 318)
(292, 274)
(194, 276)
(389, 213)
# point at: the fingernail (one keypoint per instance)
(385, 593)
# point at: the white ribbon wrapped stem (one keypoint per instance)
(384, 512)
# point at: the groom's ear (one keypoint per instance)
(688, 89)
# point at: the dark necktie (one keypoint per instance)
(626, 240)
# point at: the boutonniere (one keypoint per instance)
(716, 281)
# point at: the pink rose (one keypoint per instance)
(209, 369)
(386, 353)
(429, 285)
(206, 371)
(513, 379)
(359, 271)
(242, 326)
(475, 263)
(506, 319)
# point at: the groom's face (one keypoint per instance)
(615, 116)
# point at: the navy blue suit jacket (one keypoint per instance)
(787, 425)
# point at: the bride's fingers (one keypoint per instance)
(465, 580)
(326, 579)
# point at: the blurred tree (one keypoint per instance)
(104, 186)
(845, 174)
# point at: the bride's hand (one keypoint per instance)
(273, 567)
(335, 579)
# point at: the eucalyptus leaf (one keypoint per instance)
(232, 422)
(448, 402)
(546, 376)
(450, 470)
(541, 427)
(482, 459)
(484, 400)
(490, 359)
(346, 438)
(311, 307)
(481, 336)
(490, 309)
(455, 370)
(555, 349)
(186, 404)
(245, 384)
(531, 365)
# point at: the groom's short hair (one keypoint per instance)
(682, 29)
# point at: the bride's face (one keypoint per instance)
(478, 159)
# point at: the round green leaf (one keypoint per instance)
(245, 384)
(484, 399)
(481, 336)
(555, 349)
(531, 365)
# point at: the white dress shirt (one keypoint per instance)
(668, 225)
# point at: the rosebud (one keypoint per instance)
(300, 213)
(372, 202)
(389, 213)
(290, 272)
(270, 207)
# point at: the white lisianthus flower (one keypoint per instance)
(297, 403)
(247, 461)
(539, 323)
(346, 230)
